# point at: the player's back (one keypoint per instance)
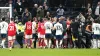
(39, 27)
(59, 28)
(4, 26)
(28, 28)
(11, 29)
(34, 27)
(42, 31)
(96, 28)
(48, 27)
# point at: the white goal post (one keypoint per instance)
(6, 11)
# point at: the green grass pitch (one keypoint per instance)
(50, 52)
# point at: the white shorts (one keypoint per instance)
(28, 36)
(39, 35)
(42, 36)
(11, 38)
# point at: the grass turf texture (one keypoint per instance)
(50, 52)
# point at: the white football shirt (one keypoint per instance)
(96, 28)
(34, 27)
(4, 27)
(48, 27)
(59, 28)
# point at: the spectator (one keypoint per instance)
(8, 4)
(34, 10)
(46, 9)
(19, 8)
(60, 11)
(88, 9)
(48, 15)
(97, 12)
(25, 4)
(15, 14)
(8, 13)
(40, 12)
(81, 17)
(45, 4)
(26, 15)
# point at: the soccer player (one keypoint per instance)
(96, 35)
(59, 30)
(48, 32)
(42, 34)
(34, 36)
(28, 33)
(12, 29)
(4, 26)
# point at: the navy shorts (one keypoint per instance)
(3, 35)
(48, 36)
(95, 36)
(59, 37)
(34, 36)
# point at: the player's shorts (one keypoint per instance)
(3, 35)
(28, 36)
(48, 36)
(11, 38)
(95, 36)
(59, 37)
(39, 35)
(34, 36)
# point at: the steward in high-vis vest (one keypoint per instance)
(19, 36)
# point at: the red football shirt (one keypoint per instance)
(68, 23)
(11, 29)
(28, 28)
(42, 31)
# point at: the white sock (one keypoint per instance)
(3, 42)
(99, 43)
(57, 43)
(60, 42)
(91, 43)
(49, 43)
(94, 43)
(45, 41)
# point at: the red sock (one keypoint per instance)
(26, 41)
(9, 44)
(39, 42)
(30, 42)
(43, 43)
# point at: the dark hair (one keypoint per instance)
(57, 19)
(48, 18)
(29, 19)
(12, 19)
(41, 20)
(96, 20)
(89, 22)
(3, 19)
